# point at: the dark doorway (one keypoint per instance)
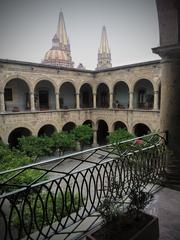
(141, 129)
(102, 132)
(46, 130)
(15, 134)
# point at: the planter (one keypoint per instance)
(144, 230)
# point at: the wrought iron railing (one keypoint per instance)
(63, 194)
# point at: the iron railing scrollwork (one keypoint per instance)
(64, 196)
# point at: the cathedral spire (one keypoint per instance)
(60, 53)
(104, 54)
(61, 30)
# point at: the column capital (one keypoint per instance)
(168, 52)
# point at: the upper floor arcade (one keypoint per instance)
(36, 87)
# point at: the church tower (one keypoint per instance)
(104, 54)
(60, 53)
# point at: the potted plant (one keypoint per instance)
(122, 207)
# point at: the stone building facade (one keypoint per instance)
(38, 99)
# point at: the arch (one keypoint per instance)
(86, 96)
(69, 126)
(121, 95)
(118, 125)
(143, 94)
(17, 133)
(16, 95)
(102, 132)
(17, 76)
(46, 130)
(44, 95)
(102, 96)
(67, 96)
(141, 129)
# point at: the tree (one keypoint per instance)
(63, 141)
(119, 135)
(36, 147)
(83, 134)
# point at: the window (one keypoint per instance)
(8, 94)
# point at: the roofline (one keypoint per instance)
(10, 61)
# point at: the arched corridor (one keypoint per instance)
(68, 127)
(16, 95)
(44, 96)
(141, 129)
(17, 133)
(46, 130)
(102, 132)
(119, 124)
(102, 97)
(67, 96)
(143, 94)
(86, 96)
(121, 95)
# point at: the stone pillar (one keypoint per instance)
(32, 101)
(131, 96)
(2, 102)
(155, 107)
(170, 112)
(57, 101)
(77, 101)
(111, 100)
(94, 100)
(94, 138)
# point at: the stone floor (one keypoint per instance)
(166, 206)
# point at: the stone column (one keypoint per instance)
(111, 100)
(2, 102)
(94, 100)
(155, 107)
(131, 96)
(170, 107)
(32, 101)
(57, 101)
(77, 101)
(94, 138)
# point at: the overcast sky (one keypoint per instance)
(27, 28)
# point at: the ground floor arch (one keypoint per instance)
(46, 130)
(102, 132)
(141, 129)
(89, 123)
(117, 125)
(17, 133)
(68, 127)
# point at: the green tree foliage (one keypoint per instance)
(83, 134)
(119, 135)
(36, 147)
(63, 141)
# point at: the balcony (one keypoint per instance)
(61, 198)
